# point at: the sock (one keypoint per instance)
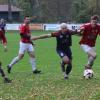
(14, 61)
(63, 66)
(2, 72)
(33, 63)
(90, 61)
(69, 68)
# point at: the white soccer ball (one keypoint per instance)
(88, 73)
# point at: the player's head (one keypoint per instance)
(26, 19)
(63, 27)
(94, 20)
(2, 20)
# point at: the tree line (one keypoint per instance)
(57, 10)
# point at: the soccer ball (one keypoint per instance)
(88, 73)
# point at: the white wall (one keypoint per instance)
(53, 27)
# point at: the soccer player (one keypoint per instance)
(89, 33)
(3, 40)
(64, 41)
(2, 25)
(6, 80)
(26, 45)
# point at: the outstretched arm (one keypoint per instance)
(79, 32)
(41, 36)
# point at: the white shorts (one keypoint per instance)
(25, 47)
(87, 48)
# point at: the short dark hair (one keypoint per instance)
(26, 16)
(95, 17)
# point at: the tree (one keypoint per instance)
(9, 11)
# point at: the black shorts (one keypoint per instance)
(66, 52)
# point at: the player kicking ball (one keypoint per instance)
(64, 42)
(6, 80)
(89, 33)
(26, 45)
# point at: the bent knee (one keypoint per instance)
(94, 56)
(66, 60)
(20, 57)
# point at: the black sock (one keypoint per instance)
(63, 66)
(69, 68)
(2, 72)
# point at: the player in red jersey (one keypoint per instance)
(26, 45)
(3, 40)
(90, 31)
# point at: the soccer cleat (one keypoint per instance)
(36, 71)
(65, 77)
(8, 69)
(6, 80)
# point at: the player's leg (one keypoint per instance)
(65, 61)
(68, 60)
(68, 67)
(91, 57)
(18, 58)
(14, 61)
(32, 59)
(61, 54)
(6, 80)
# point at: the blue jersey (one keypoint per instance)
(2, 26)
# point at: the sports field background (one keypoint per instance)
(49, 85)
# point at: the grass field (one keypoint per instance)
(49, 85)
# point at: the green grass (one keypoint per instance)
(49, 85)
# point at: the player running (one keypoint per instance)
(26, 45)
(64, 42)
(89, 33)
(3, 25)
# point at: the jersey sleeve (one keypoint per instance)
(72, 32)
(83, 27)
(54, 34)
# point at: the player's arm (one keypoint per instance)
(41, 36)
(73, 32)
(25, 35)
(81, 30)
(78, 32)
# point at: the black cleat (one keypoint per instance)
(6, 80)
(36, 71)
(8, 69)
